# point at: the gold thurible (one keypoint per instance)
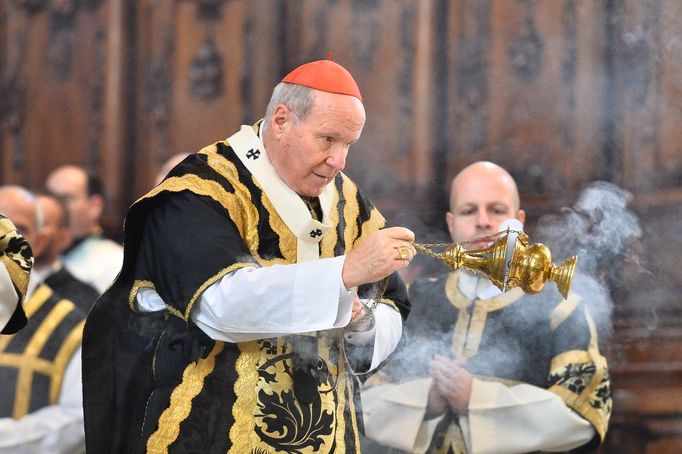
(529, 268)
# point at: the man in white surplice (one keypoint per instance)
(496, 374)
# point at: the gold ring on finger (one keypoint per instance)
(403, 252)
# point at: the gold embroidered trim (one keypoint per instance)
(180, 404)
(331, 238)
(563, 311)
(581, 403)
(597, 417)
(344, 387)
(453, 441)
(208, 188)
(468, 332)
(17, 275)
(208, 283)
(137, 285)
(245, 388)
(248, 216)
(459, 334)
(64, 355)
(33, 349)
(375, 222)
(6, 226)
(601, 368)
(17, 360)
(38, 298)
(351, 211)
(389, 302)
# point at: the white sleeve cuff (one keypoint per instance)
(524, 418)
(393, 415)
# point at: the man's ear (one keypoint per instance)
(63, 239)
(521, 216)
(39, 243)
(96, 207)
(281, 118)
(450, 221)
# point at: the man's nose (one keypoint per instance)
(337, 157)
(483, 220)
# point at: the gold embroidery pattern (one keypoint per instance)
(181, 402)
(563, 310)
(343, 386)
(64, 355)
(351, 210)
(227, 170)
(17, 274)
(375, 222)
(29, 362)
(39, 297)
(245, 387)
(207, 188)
(453, 441)
(331, 238)
(208, 283)
(15, 253)
(137, 285)
(468, 332)
(581, 379)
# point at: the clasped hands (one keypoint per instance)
(451, 386)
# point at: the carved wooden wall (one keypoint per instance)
(561, 92)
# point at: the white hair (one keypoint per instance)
(296, 97)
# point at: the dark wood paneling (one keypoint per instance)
(201, 73)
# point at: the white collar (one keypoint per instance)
(474, 286)
(251, 151)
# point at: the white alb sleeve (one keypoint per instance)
(258, 303)
(521, 418)
(8, 296)
(393, 415)
(56, 429)
(385, 334)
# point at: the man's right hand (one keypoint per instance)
(378, 255)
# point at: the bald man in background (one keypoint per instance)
(40, 372)
(90, 257)
(485, 371)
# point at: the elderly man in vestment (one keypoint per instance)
(229, 328)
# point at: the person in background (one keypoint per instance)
(168, 165)
(485, 371)
(40, 366)
(48, 266)
(229, 328)
(90, 257)
(16, 260)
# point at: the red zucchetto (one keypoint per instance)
(324, 75)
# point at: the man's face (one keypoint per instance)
(57, 236)
(72, 185)
(480, 202)
(308, 154)
(22, 213)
